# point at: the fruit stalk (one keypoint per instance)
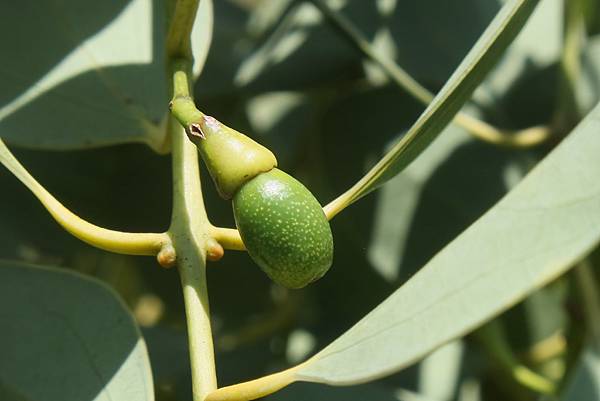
(190, 233)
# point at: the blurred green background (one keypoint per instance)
(280, 73)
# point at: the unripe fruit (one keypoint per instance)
(284, 228)
(281, 223)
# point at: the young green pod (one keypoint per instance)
(281, 223)
(284, 228)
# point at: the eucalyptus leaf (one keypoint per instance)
(439, 373)
(281, 121)
(65, 337)
(488, 49)
(307, 391)
(84, 74)
(417, 212)
(303, 37)
(549, 221)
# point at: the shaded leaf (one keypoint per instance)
(539, 317)
(448, 102)
(303, 37)
(67, 338)
(419, 211)
(534, 234)
(281, 121)
(87, 74)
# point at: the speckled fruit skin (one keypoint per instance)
(284, 228)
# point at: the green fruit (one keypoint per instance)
(284, 228)
(282, 225)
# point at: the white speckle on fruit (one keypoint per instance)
(212, 122)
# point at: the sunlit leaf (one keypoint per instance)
(307, 391)
(66, 337)
(534, 234)
(81, 74)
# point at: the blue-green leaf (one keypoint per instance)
(543, 226)
(79, 74)
(473, 69)
(65, 337)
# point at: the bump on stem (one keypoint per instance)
(167, 257)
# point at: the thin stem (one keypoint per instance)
(181, 72)
(190, 233)
(185, 112)
(591, 297)
(229, 238)
(567, 112)
(109, 240)
(548, 348)
(337, 205)
(492, 338)
(356, 39)
(182, 21)
(189, 223)
(520, 139)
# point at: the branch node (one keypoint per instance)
(214, 250)
(167, 257)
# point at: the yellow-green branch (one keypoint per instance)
(254, 389)
(191, 238)
(567, 113)
(178, 43)
(109, 240)
(586, 280)
(492, 338)
(229, 238)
